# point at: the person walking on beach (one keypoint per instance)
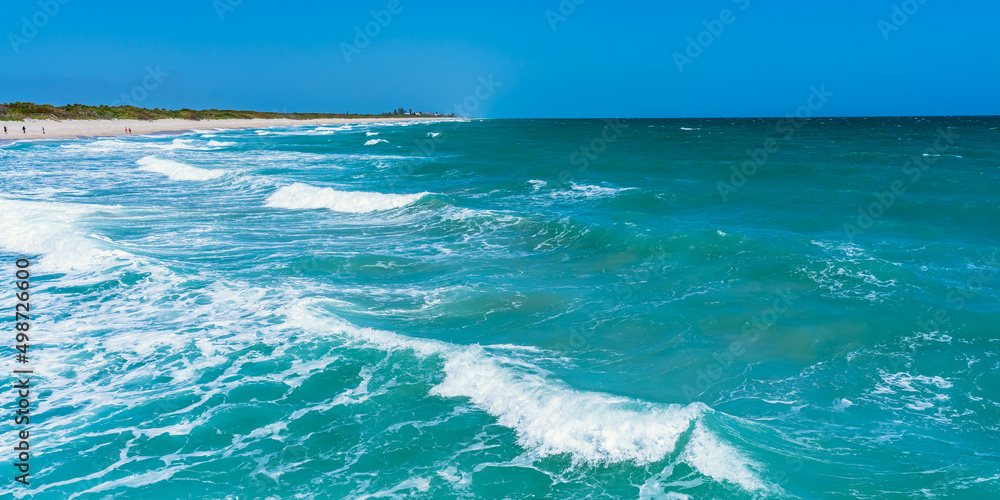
(43, 130)
(24, 130)
(5, 129)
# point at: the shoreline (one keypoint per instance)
(82, 129)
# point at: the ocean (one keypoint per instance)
(571, 309)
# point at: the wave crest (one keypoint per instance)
(551, 418)
(304, 196)
(176, 170)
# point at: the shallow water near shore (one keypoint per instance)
(654, 309)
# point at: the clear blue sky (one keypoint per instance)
(604, 59)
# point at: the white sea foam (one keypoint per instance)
(551, 418)
(218, 144)
(49, 229)
(842, 404)
(304, 196)
(102, 145)
(548, 417)
(893, 382)
(720, 461)
(433, 134)
(847, 266)
(373, 142)
(132, 144)
(653, 491)
(916, 392)
(369, 134)
(185, 144)
(405, 489)
(587, 191)
(847, 251)
(177, 171)
(318, 131)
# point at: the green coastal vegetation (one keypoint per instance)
(18, 111)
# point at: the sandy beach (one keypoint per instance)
(69, 129)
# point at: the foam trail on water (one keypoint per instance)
(177, 171)
(373, 142)
(42, 228)
(176, 144)
(304, 196)
(551, 418)
(587, 192)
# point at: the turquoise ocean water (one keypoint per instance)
(648, 309)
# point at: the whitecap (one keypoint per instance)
(551, 419)
(373, 142)
(184, 144)
(548, 417)
(842, 404)
(48, 229)
(304, 196)
(587, 191)
(720, 461)
(176, 170)
(102, 145)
